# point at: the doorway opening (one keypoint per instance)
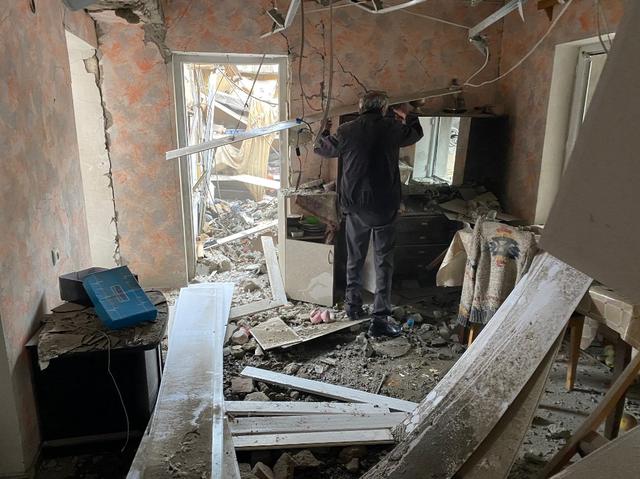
(232, 189)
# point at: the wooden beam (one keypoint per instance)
(231, 139)
(249, 179)
(298, 408)
(254, 308)
(186, 395)
(467, 404)
(494, 458)
(231, 468)
(242, 234)
(317, 423)
(599, 414)
(273, 269)
(327, 390)
(304, 440)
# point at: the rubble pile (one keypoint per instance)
(224, 218)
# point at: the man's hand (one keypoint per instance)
(402, 110)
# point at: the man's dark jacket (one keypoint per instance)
(369, 148)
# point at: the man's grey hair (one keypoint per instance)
(374, 101)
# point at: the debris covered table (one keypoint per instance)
(73, 356)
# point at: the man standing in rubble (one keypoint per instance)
(369, 191)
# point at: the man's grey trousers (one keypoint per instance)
(359, 230)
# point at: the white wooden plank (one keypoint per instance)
(316, 331)
(273, 269)
(494, 458)
(230, 139)
(242, 234)
(249, 179)
(303, 440)
(254, 308)
(245, 426)
(327, 390)
(185, 396)
(231, 469)
(297, 408)
(468, 402)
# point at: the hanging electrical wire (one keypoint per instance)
(599, 16)
(529, 53)
(481, 69)
(327, 106)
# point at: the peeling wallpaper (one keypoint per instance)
(42, 205)
(397, 52)
(525, 93)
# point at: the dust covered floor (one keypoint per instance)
(406, 368)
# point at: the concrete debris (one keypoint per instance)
(240, 337)
(349, 453)
(284, 467)
(245, 471)
(242, 385)
(306, 460)
(393, 348)
(257, 396)
(353, 465)
(291, 369)
(262, 471)
(556, 431)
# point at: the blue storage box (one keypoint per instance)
(118, 299)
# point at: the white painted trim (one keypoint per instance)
(327, 390)
(557, 125)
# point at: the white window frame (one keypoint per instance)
(581, 89)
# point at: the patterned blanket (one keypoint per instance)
(498, 257)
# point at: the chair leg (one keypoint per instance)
(474, 330)
(576, 324)
(622, 358)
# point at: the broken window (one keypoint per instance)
(234, 187)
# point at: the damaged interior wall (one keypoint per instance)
(137, 94)
(397, 52)
(525, 93)
(41, 197)
(95, 164)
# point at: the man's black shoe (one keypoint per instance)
(355, 314)
(383, 327)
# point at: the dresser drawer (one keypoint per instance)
(435, 229)
(413, 260)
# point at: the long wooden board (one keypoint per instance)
(254, 308)
(494, 458)
(304, 440)
(273, 269)
(185, 400)
(231, 139)
(298, 408)
(465, 406)
(242, 234)
(327, 390)
(245, 426)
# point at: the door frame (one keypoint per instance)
(186, 180)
